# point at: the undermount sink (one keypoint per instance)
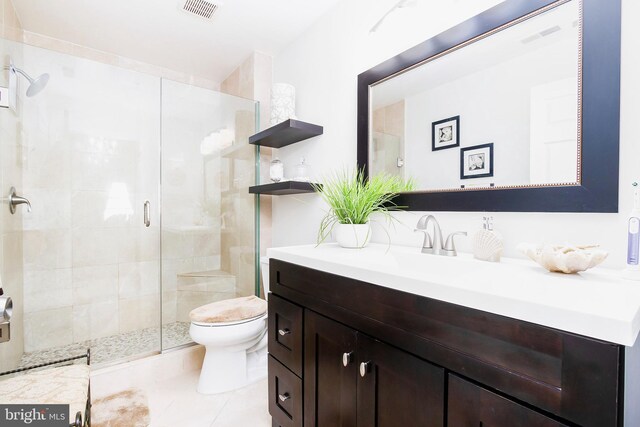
(411, 260)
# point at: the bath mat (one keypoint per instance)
(127, 408)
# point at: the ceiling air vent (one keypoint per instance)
(201, 8)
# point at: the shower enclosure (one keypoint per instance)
(140, 208)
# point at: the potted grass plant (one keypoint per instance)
(352, 199)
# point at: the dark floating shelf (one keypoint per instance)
(285, 133)
(282, 188)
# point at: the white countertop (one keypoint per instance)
(597, 303)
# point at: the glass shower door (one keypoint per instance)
(208, 228)
(90, 158)
(84, 267)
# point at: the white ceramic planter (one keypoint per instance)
(352, 235)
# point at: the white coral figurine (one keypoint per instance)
(566, 258)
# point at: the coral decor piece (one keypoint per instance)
(564, 258)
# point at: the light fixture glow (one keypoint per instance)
(399, 5)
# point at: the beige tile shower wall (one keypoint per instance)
(191, 215)
(237, 255)
(11, 26)
(89, 161)
(253, 79)
(39, 40)
(208, 224)
(389, 121)
(11, 158)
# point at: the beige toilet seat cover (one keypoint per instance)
(230, 310)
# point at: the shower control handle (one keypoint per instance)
(15, 200)
(6, 309)
(147, 215)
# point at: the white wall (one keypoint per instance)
(324, 63)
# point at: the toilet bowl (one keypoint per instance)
(234, 334)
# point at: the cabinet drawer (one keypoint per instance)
(285, 396)
(473, 406)
(285, 333)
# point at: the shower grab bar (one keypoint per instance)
(87, 355)
(147, 216)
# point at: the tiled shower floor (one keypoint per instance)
(116, 347)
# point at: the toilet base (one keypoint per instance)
(227, 371)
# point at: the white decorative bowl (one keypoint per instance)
(564, 259)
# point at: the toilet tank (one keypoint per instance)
(264, 269)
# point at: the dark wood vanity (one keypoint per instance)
(349, 353)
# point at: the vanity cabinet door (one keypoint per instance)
(396, 388)
(329, 385)
(473, 406)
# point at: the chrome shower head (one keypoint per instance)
(35, 85)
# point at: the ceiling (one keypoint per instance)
(158, 32)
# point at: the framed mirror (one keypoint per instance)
(516, 109)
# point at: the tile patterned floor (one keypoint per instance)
(175, 402)
(116, 347)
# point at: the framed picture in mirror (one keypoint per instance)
(445, 133)
(476, 161)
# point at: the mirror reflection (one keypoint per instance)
(502, 111)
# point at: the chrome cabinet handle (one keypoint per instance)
(284, 332)
(346, 358)
(147, 216)
(284, 397)
(364, 368)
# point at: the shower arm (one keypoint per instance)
(18, 70)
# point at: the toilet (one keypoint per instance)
(234, 334)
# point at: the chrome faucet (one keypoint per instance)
(430, 246)
(434, 245)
